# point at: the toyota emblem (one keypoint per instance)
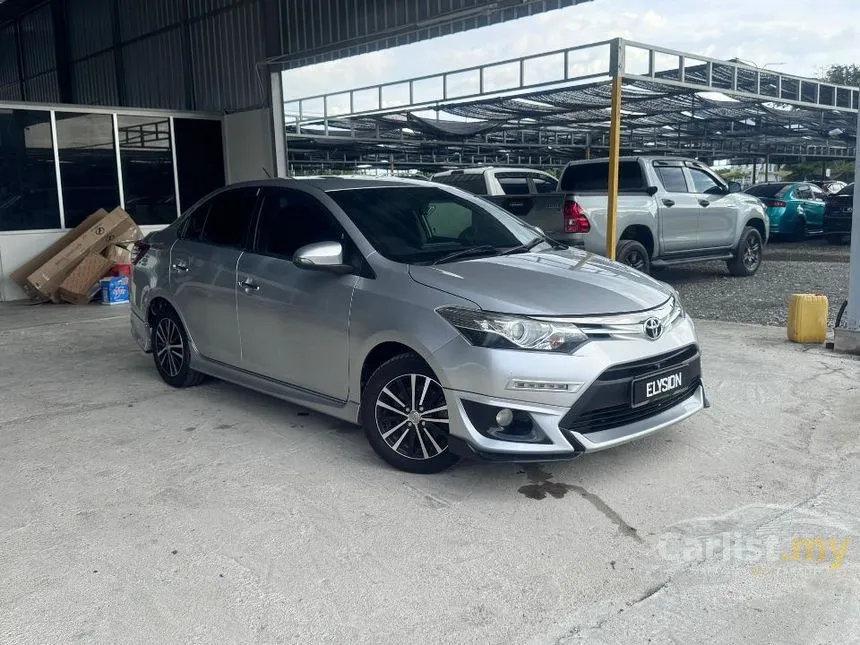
(653, 328)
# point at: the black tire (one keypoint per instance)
(748, 254)
(633, 254)
(840, 316)
(801, 230)
(173, 360)
(835, 238)
(402, 434)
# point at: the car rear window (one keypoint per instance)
(595, 176)
(767, 190)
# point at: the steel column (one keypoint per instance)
(614, 153)
(853, 311)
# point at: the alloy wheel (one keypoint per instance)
(169, 347)
(634, 259)
(752, 252)
(412, 416)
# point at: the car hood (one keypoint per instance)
(553, 283)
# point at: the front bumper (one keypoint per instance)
(595, 414)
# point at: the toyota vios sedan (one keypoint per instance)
(443, 325)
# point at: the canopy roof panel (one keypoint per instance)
(549, 108)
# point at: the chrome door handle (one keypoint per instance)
(248, 285)
(179, 266)
(669, 202)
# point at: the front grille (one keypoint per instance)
(622, 415)
(646, 366)
(608, 401)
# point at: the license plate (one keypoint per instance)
(661, 385)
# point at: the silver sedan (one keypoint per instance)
(442, 324)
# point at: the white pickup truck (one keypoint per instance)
(671, 210)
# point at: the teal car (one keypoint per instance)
(795, 209)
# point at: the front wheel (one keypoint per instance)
(404, 413)
(748, 255)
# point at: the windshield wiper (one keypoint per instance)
(472, 250)
(528, 246)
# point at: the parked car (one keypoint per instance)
(794, 209)
(838, 215)
(670, 211)
(830, 186)
(529, 194)
(442, 324)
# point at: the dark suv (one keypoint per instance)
(837, 216)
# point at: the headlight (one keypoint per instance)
(501, 331)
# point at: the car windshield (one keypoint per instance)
(848, 190)
(418, 225)
(767, 190)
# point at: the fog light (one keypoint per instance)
(504, 418)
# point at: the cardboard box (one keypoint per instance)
(97, 234)
(23, 272)
(77, 288)
(118, 253)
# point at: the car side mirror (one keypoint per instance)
(652, 190)
(735, 187)
(322, 256)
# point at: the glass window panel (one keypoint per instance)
(87, 164)
(199, 159)
(28, 177)
(147, 169)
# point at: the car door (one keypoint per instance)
(816, 208)
(678, 209)
(717, 209)
(294, 323)
(203, 271)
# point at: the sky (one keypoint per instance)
(793, 36)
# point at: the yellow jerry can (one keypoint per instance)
(807, 318)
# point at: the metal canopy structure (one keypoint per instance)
(546, 109)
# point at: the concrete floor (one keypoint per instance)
(134, 513)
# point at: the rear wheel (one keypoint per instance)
(171, 350)
(404, 413)
(748, 254)
(633, 254)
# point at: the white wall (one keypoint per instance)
(15, 249)
(248, 145)
(18, 247)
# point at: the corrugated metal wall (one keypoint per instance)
(206, 54)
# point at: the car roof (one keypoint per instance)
(333, 183)
(483, 169)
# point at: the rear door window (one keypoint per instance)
(472, 182)
(228, 222)
(513, 184)
(672, 178)
(595, 176)
(544, 184)
(802, 192)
